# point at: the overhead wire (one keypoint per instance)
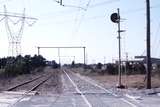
(108, 2)
(154, 40)
(73, 6)
(75, 31)
(76, 17)
(56, 1)
(3, 1)
(91, 6)
(140, 9)
(156, 45)
(71, 20)
(81, 19)
(103, 3)
(29, 6)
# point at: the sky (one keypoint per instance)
(82, 23)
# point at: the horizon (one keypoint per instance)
(91, 28)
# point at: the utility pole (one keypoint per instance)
(148, 73)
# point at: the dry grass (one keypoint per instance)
(130, 81)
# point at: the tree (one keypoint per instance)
(112, 69)
(73, 64)
(99, 65)
(54, 64)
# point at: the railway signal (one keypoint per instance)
(115, 18)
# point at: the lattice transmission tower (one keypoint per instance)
(14, 23)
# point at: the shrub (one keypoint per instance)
(21, 65)
(55, 65)
(99, 66)
(112, 69)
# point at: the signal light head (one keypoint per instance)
(115, 18)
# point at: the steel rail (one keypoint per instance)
(36, 86)
(24, 83)
(32, 89)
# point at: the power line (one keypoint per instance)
(82, 17)
(103, 3)
(154, 42)
(71, 20)
(140, 9)
(79, 7)
(67, 5)
(5, 1)
(76, 17)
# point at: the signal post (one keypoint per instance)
(115, 18)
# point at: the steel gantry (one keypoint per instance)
(83, 47)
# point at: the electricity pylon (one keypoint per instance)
(15, 21)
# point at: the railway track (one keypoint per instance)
(93, 94)
(30, 85)
(34, 85)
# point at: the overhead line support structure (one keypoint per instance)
(71, 47)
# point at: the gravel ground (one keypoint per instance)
(6, 83)
(67, 87)
(83, 85)
(57, 84)
(131, 81)
(51, 86)
(135, 83)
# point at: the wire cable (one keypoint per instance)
(154, 43)
(103, 3)
(73, 6)
(4, 1)
(81, 19)
(157, 46)
(76, 17)
(140, 9)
